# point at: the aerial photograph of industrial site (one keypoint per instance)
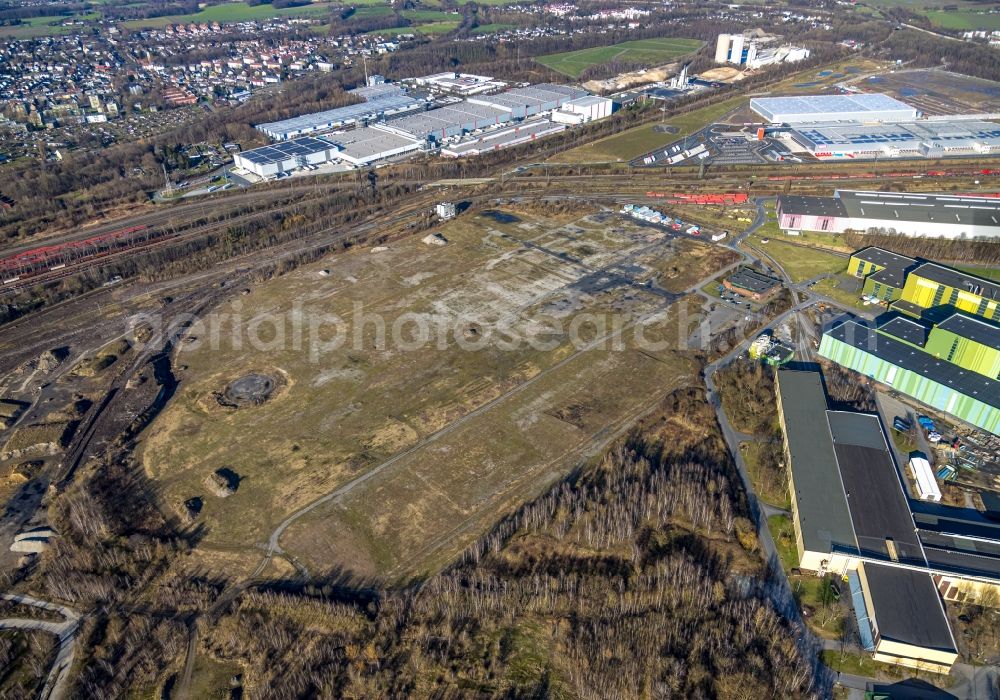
(598, 349)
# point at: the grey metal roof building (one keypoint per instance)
(371, 144)
(883, 257)
(445, 122)
(832, 108)
(975, 329)
(875, 497)
(957, 280)
(380, 106)
(820, 504)
(753, 281)
(884, 347)
(902, 139)
(528, 101)
(971, 213)
(804, 205)
(907, 608)
(930, 215)
(503, 137)
(905, 328)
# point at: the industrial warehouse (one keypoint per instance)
(924, 139)
(503, 137)
(940, 343)
(853, 519)
(871, 126)
(931, 215)
(358, 147)
(861, 107)
(381, 101)
(390, 125)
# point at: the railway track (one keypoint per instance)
(634, 184)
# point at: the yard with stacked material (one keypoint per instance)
(449, 433)
(651, 52)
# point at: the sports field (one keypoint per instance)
(648, 51)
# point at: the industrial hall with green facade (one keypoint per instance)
(939, 343)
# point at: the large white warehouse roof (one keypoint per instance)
(828, 108)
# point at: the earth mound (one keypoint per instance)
(250, 390)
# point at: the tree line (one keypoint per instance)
(638, 575)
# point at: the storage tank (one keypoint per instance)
(722, 49)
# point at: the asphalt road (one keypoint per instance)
(65, 631)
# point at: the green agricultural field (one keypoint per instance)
(649, 51)
(642, 139)
(371, 11)
(437, 27)
(430, 28)
(963, 20)
(491, 28)
(233, 12)
(46, 26)
(429, 15)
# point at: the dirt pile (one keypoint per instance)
(222, 483)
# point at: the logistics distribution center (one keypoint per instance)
(381, 101)
(870, 126)
(861, 107)
(934, 215)
(853, 518)
(940, 342)
(391, 124)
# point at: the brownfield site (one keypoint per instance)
(420, 448)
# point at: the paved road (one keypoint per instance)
(65, 631)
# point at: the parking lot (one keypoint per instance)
(724, 144)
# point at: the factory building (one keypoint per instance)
(485, 111)
(852, 519)
(941, 342)
(922, 289)
(908, 139)
(381, 101)
(939, 345)
(860, 107)
(749, 283)
(930, 287)
(892, 354)
(929, 215)
(883, 272)
(751, 50)
(584, 109)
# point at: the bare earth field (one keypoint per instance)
(453, 431)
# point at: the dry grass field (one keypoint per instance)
(452, 433)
